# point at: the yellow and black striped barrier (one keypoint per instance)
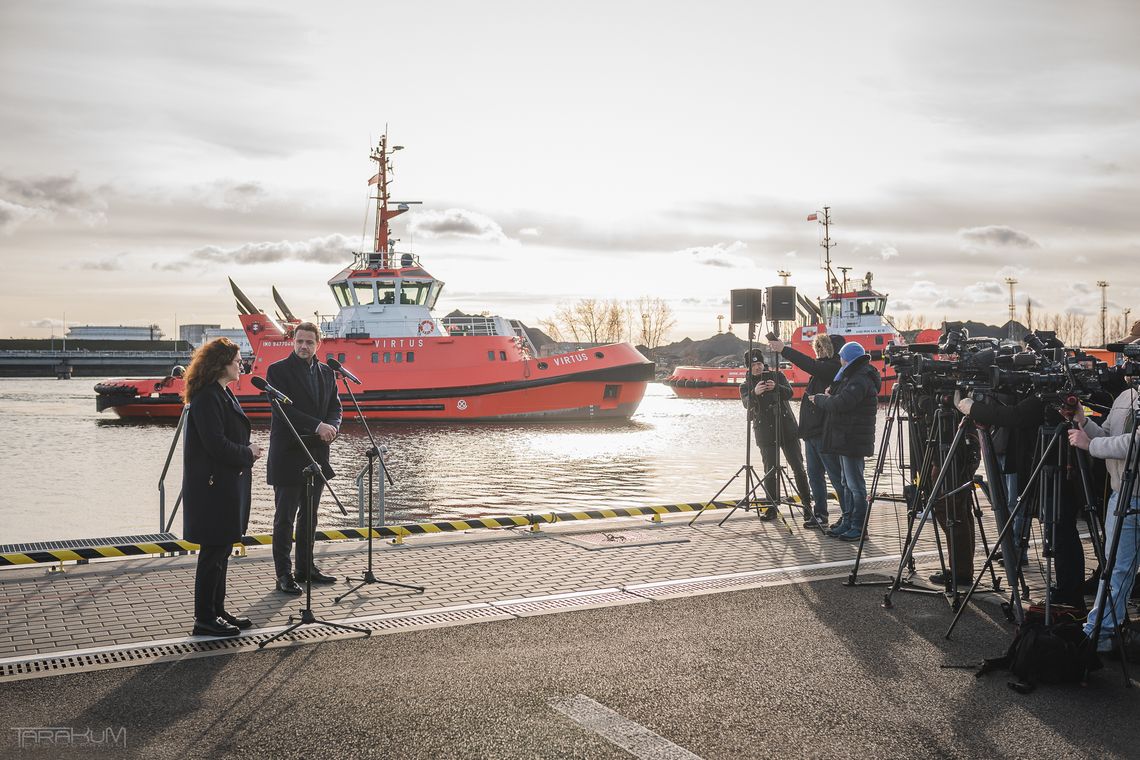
(395, 532)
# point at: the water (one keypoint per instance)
(72, 472)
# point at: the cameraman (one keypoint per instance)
(849, 409)
(1110, 442)
(822, 370)
(766, 393)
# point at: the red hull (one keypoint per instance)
(445, 379)
(707, 382)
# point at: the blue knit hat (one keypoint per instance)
(849, 353)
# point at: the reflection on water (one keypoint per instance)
(72, 472)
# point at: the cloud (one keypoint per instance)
(25, 199)
(228, 195)
(901, 306)
(456, 222)
(888, 252)
(105, 265)
(45, 323)
(1081, 287)
(331, 249)
(530, 232)
(717, 255)
(998, 235)
(984, 292)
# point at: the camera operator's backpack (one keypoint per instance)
(1058, 653)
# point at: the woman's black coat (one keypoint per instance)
(822, 373)
(849, 422)
(216, 471)
(764, 410)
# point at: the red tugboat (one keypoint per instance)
(413, 365)
(856, 313)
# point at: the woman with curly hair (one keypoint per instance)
(216, 479)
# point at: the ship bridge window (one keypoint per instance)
(385, 291)
(414, 292)
(433, 296)
(873, 306)
(340, 292)
(365, 293)
(830, 309)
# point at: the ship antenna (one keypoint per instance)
(832, 282)
(381, 243)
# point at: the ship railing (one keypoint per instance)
(389, 260)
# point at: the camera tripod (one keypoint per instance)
(1046, 477)
(947, 471)
(776, 476)
(915, 493)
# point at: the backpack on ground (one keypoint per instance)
(1059, 653)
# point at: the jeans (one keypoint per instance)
(819, 463)
(855, 511)
(1124, 571)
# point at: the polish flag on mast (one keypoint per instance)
(812, 217)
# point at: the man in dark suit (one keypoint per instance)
(316, 414)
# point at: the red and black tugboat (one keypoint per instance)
(854, 310)
(413, 365)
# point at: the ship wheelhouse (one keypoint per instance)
(383, 301)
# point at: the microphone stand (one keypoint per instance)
(374, 454)
(310, 472)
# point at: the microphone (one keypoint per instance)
(338, 367)
(261, 385)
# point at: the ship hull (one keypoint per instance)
(707, 382)
(612, 393)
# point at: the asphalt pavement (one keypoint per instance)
(811, 669)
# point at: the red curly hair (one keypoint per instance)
(207, 365)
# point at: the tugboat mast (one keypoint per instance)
(832, 282)
(383, 243)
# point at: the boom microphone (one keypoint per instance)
(338, 367)
(261, 385)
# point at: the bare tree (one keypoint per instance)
(587, 320)
(651, 318)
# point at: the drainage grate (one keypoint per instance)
(127, 656)
(79, 543)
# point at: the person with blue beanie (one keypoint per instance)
(850, 407)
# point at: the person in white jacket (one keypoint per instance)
(1110, 441)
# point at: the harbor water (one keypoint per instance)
(72, 472)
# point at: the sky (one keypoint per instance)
(581, 150)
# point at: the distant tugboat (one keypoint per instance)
(856, 313)
(414, 366)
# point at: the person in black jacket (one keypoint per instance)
(766, 392)
(849, 410)
(316, 414)
(822, 370)
(216, 480)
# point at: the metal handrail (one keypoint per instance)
(162, 524)
(379, 516)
